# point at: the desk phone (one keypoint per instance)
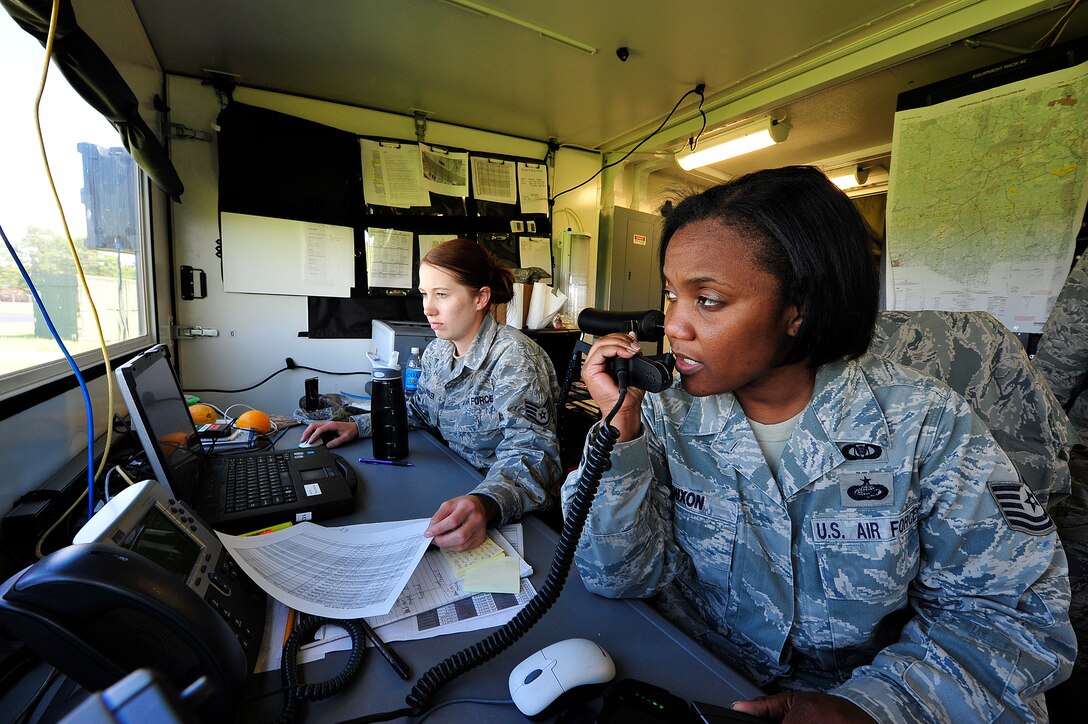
(144, 519)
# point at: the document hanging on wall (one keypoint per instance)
(494, 179)
(389, 258)
(262, 255)
(430, 241)
(445, 171)
(536, 251)
(533, 187)
(393, 174)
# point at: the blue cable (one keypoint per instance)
(75, 369)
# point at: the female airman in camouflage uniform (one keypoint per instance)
(486, 389)
(842, 529)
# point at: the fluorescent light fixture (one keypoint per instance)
(485, 11)
(856, 175)
(743, 139)
(848, 177)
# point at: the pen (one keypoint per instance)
(398, 463)
(390, 655)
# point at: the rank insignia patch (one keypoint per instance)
(1021, 510)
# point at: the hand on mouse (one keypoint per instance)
(333, 433)
(804, 706)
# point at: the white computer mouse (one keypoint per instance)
(559, 673)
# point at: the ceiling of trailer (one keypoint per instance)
(833, 66)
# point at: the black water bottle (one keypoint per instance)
(388, 413)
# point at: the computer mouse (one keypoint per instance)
(313, 442)
(559, 675)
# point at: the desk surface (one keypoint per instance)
(643, 644)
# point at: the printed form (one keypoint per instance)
(352, 571)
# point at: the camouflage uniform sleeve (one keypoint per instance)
(1062, 356)
(526, 469)
(990, 630)
(363, 423)
(627, 549)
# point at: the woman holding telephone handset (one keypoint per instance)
(829, 522)
(486, 389)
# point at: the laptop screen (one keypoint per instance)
(161, 420)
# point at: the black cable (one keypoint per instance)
(36, 699)
(436, 707)
(698, 90)
(279, 371)
(295, 691)
(693, 142)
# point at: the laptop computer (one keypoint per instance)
(235, 492)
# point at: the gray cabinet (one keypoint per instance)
(628, 270)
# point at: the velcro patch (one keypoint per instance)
(862, 451)
(1020, 508)
(865, 490)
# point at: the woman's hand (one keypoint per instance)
(803, 707)
(461, 523)
(345, 432)
(603, 388)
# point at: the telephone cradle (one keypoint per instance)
(145, 585)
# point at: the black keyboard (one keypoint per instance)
(257, 482)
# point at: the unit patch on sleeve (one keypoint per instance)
(1021, 510)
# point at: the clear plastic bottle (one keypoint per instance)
(411, 373)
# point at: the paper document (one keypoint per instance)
(533, 187)
(430, 241)
(444, 171)
(536, 251)
(494, 179)
(352, 571)
(434, 583)
(393, 174)
(389, 258)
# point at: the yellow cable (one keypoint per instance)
(72, 247)
(64, 516)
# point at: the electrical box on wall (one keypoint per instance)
(629, 270)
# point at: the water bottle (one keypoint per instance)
(411, 373)
(388, 413)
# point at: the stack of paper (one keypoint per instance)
(371, 571)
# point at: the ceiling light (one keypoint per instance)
(848, 177)
(734, 142)
(856, 175)
(484, 11)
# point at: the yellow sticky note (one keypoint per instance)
(465, 561)
(499, 575)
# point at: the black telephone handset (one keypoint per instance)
(653, 374)
(98, 612)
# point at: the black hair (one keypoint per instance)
(808, 235)
(474, 266)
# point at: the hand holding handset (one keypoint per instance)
(652, 374)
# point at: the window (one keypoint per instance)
(100, 190)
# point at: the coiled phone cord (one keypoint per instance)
(596, 463)
(296, 693)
